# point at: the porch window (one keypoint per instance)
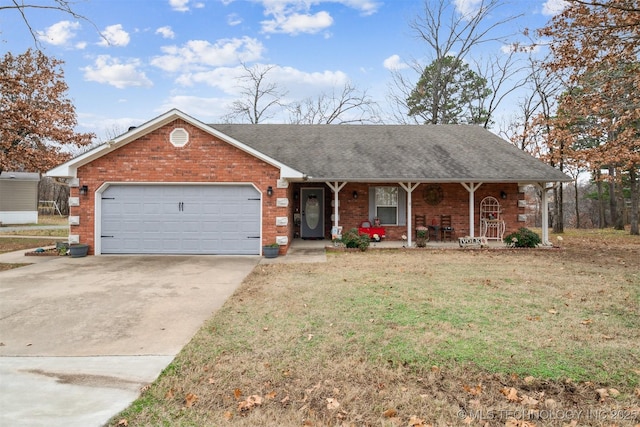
(386, 205)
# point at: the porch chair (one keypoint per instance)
(420, 221)
(445, 227)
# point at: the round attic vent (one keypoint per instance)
(179, 137)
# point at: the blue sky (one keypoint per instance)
(187, 54)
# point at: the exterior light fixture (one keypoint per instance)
(503, 195)
(84, 190)
(269, 191)
(355, 194)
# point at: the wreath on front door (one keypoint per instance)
(433, 194)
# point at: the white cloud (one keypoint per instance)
(367, 7)
(299, 83)
(114, 35)
(553, 7)
(467, 7)
(179, 5)
(234, 19)
(297, 23)
(394, 63)
(200, 54)
(60, 33)
(109, 70)
(295, 16)
(184, 5)
(166, 32)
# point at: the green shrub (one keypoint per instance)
(351, 239)
(523, 238)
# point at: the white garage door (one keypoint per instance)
(180, 219)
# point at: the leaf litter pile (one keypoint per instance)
(418, 338)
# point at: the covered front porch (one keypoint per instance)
(400, 207)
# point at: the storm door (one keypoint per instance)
(312, 208)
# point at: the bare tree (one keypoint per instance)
(54, 190)
(501, 74)
(539, 101)
(62, 6)
(452, 33)
(349, 106)
(259, 96)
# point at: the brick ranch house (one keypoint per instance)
(175, 185)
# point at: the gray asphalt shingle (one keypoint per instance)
(436, 153)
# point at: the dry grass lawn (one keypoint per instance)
(46, 220)
(417, 338)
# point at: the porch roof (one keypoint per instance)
(385, 153)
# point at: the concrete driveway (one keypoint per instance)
(79, 337)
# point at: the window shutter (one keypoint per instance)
(402, 206)
(372, 203)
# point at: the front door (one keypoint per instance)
(312, 208)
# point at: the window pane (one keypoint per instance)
(386, 196)
(387, 215)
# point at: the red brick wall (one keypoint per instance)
(152, 158)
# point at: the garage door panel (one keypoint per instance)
(212, 227)
(210, 208)
(131, 226)
(131, 207)
(170, 219)
(190, 227)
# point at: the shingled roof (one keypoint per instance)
(417, 153)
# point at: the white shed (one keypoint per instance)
(19, 197)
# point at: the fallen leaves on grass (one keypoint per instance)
(390, 413)
(237, 393)
(249, 403)
(417, 422)
(512, 422)
(473, 390)
(190, 400)
(332, 403)
(602, 394)
(529, 401)
(511, 394)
